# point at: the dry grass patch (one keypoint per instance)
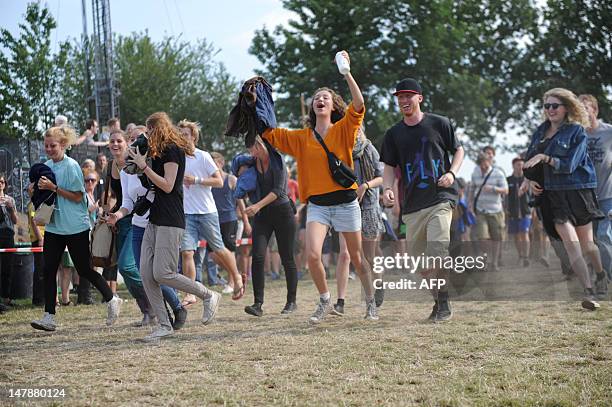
(492, 353)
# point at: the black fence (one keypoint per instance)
(17, 156)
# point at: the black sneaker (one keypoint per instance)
(3, 308)
(85, 301)
(434, 311)
(445, 312)
(338, 310)
(254, 309)
(289, 308)
(180, 317)
(588, 301)
(601, 286)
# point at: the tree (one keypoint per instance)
(177, 77)
(573, 50)
(29, 76)
(464, 54)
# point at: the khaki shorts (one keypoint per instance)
(428, 230)
(490, 225)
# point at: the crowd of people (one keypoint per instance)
(165, 201)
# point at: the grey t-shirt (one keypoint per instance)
(488, 201)
(600, 151)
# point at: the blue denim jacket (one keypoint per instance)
(573, 168)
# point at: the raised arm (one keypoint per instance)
(356, 96)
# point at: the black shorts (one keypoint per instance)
(228, 234)
(577, 206)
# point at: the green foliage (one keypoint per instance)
(28, 73)
(483, 63)
(574, 51)
(177, 77)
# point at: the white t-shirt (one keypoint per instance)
(198, 199)
(132, 188)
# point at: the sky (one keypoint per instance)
(228, 25)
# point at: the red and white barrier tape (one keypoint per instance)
(202, 243)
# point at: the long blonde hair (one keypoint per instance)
(162, 133)
(576, 113)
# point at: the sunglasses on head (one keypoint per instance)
(554, 106)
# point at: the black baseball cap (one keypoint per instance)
(408, 85)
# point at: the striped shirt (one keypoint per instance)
(488, 201)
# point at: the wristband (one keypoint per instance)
(56, 188)
(367, 185)
(453, 174)
(196, 180)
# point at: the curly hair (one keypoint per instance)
(338, 109)
(163, 133)
(64, 134)
(576, 113)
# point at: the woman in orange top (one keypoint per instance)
(329, 204)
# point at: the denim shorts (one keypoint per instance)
(202, 227)
(344, 217)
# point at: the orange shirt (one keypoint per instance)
(314, 177)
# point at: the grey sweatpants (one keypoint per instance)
(158, 265)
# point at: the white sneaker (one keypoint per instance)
(114, 307)
(371, 311)
(323, 308)
(211, 305)
(46, 323)
(227, 289)
(158, 333)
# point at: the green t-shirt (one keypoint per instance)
(69, 217)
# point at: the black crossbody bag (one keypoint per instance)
(341, 173)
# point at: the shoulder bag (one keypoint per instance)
(341, 173)
(102, 245)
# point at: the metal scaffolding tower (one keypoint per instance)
(106, 94)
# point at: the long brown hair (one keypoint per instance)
(162, 133)
(338, 109)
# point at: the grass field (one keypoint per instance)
(491, 353)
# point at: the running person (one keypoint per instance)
(420, 145)
(69, 226)
(201, 217)
(559, 146)
(163, 234)
(329, 204)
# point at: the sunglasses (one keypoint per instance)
(90, 180)
(554, 106)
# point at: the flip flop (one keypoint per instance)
(187, 304)
(239, 293)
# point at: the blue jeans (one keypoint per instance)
(603, 236)
(126, 265)
(169, 294)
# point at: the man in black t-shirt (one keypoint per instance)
(519, 213)
(421, 145)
